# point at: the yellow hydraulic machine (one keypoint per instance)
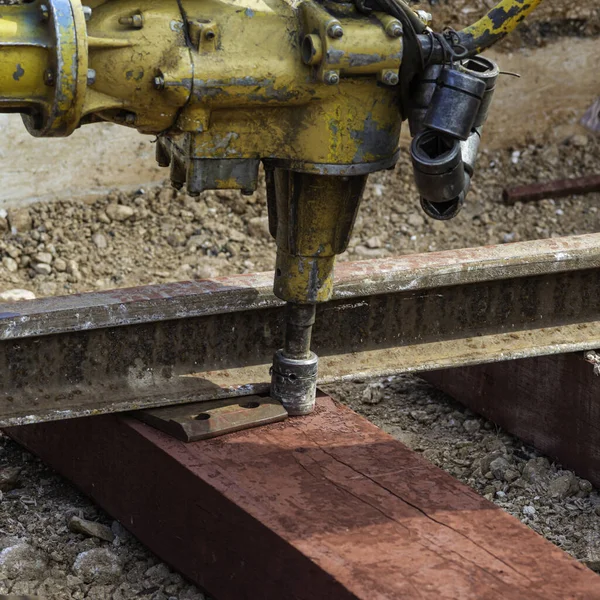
(315, 90)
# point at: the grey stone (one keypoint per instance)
(22, 562)
(16, 295)
(471, 426)
(19, 219)
(563, 486)
(499, 467)
(43, 257)
(536, 470)
(529, 511)
(92, 528)
(10, 264)
(60, 265)
(415, 220)
(9, 478)
(97, 565)
(373, 242)
(99, 240)
(42, 268)
(119, 212)
(259, 227)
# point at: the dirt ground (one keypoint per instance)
(156, 235)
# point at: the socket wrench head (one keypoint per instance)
(455, 103)
(439, 174)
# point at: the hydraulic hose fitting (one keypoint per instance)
(439, 173)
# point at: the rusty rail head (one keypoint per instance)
(161, 345)
(181, 300)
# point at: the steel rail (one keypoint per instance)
(167, 344)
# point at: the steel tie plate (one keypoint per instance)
(204, 420)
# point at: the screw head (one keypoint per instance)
(335, 31)
(390, 78)
(159, 82)
(332, 78)
(395, 30)
(49, 77)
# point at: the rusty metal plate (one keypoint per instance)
(204, 420)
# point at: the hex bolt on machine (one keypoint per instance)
(315, 90)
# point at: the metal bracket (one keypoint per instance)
(204, 420)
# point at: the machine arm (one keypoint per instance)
(314, 90)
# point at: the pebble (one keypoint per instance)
(16, 295)
(43, 257)
(99, 240)
(22, 562)
(373, 242)
(78, 525)
(579, 140)
(372, 394)
(10, 264)
(119, 212)
(60, 265)
(536, 470)
(499, 467)
(563, 486)
(42, 268)
(9, 478)
(97, 565)
(529, 511)
(415, 220)
(471, 426)
(259, 227)
(19, 219)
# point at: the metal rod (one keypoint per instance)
(552, 189)
(299, 321)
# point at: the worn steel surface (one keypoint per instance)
(323, 507)
(186, 342)
(205, 420)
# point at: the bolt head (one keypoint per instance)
(335, 31)
(45, 12)
(159, 82)
(332, 78)
(130, 119)
(87, 12)
(395, 30)
(391, 78)
(91, 76)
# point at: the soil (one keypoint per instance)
(156, 235)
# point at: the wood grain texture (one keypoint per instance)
(322, 507)
(551, 402)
